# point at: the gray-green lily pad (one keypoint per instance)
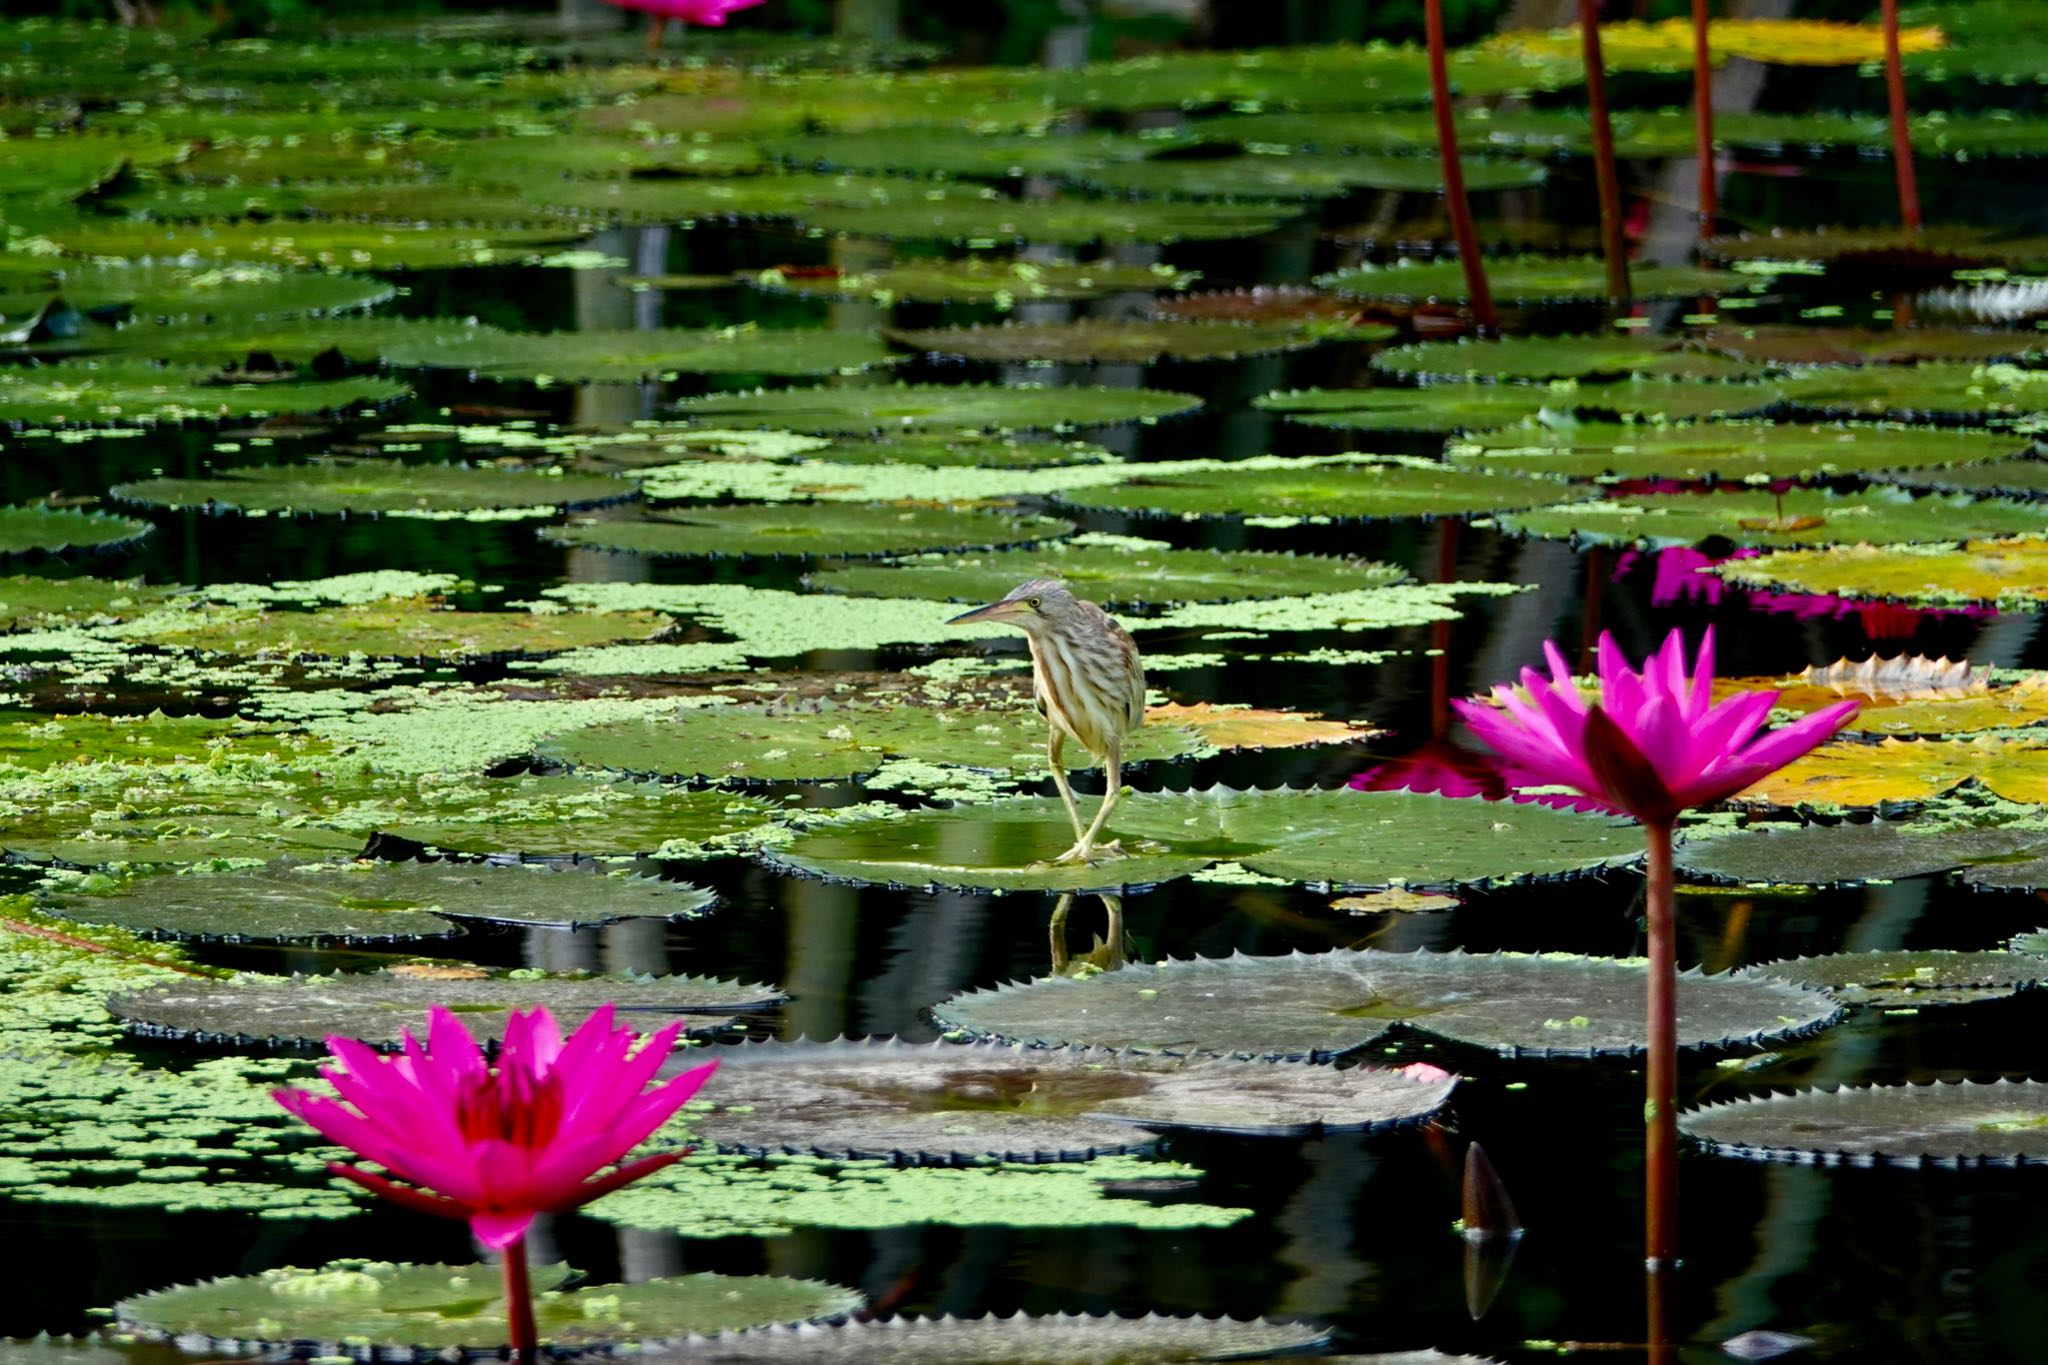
(915, 214)
(1566, 357)
(623, 356)
(1321, 1005)
(2018, 478)
(1730, 452)
(1124, 572)
(381, 901)
(376, 1007)
(40, 530)
(1303, 176)
(1014, 1339)
(1803, 516)
(1811, 346)
(346, 487)
(1341, 486)
(915, 408)
(370, 1309)
(1531, 279)
(137, 393)
(806, 529)
(415, 628)
(976, 279)
(1849, 854)
(1914, 978)
(1941, 1124)
(1453, 408)
(1106, 341)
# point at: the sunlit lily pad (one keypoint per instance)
(1874, 516)
(340, 486)
(1484, 407)
(133, 393)
(563, 815)
(1972, 394)
(976, 279)
(2012, 573)
(1345, 486)
(1530, 279)
(965, 449)
(1730, 452)
(1122, 572)
(1639, 45)
(406, 629)
(1005, 1339)
(374, 1007)
(937, 407)
(1106, 341)
(944, 1103)
(362, 901)
(1321, 1005)
(806, 529)
(1864, 775)
(161, 292)
(333, 245)
(1568, 357)
(1324, 837)
(40, 530)
(371, 1308)
(1914, 979)
(1911, 697)
(1943, 1124)
(1303, 176)
(940, 150)
(26, 600)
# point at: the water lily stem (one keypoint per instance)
(1607, 178)
(1460, 207)
(519, 1304)
(1902, 136)
(1660, 1108)
(1703, 118)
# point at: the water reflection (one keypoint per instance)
(1111, 949)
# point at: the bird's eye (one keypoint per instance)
(1034, 602)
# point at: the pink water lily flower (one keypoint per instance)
(710, 12)
(1654, 743)
(498, 1144)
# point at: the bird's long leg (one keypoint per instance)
(1053, 747)
(1085, 847)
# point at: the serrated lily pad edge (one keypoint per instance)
(1820, 1156)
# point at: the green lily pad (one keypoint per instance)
(1343, 838)
(1728, 452)
(1973, 394)
(916, 213)
(170, 293)
(328, 245)
(1266, 304)
(944, 1103)
(1914, 979)
(1945, 246)
(1105, 341)
(1342, 486)
(417, 628)
(557, 816)
(375, 1007)
(910, 408)
(2017, 478)
(1806, 346)
(1012, 1339)
(1849, 854)
(806, 530)
(966, 449)
(40, 530)
(1321, 1005)
(1941, 1124)
(1453, 408)
(31, 601)
(1531, 279)
(1567, 357)
(348, 487)
(952, 151)
(376, 1307)
(1872, 516)
(136, 393)
(1122, 571)
(362, 902)
(1304, 176)
(975, 279)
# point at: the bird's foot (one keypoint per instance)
(1085, 852)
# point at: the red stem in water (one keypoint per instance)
(1902, 137)
(1460, 207)
(1660, 1107)
(1703, 118)
(1611, 244)
(519, 1304)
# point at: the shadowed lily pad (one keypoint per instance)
(368, 1309)
(1804, 346)
(1320, 1005)
(1730, 452)
(374, 1007)
(356, 902)
(1530, 279)
(341, 486)
(1106, 341)
(1567, 357)
(1302, 176)
(2012, 573)
(945, 1103)
(1016, 1339)
(164, 292)
(905, 408)
(1914, 979)
(916, 213)
(40, 530)
(1311, 309)
(1342, 486)
(1483, 407)
(624, 356)
(806, 529)
(1943, 1124)
(975, 279)
(2019, 478)
(1880, 851)
(1124, 572)
(1873, 516)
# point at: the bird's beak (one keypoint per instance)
(994, 611)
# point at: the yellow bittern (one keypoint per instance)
(1090, 688)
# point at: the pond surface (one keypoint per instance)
(355, 684)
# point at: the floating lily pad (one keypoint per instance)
(417, 628)
(1303, 176)
(807, 529)
(623, 356)
(1123, 572)
(558, 816)
(1944, 247)
(1326, 314)
(32, 601)
(1340, 837)
(1106, 341)
(134, 393)
(914, 214)
(1971, 394)
(1321, 1005)
(2020, 478)
(1531, 279)
(1483, 407)
(369, 1308)
(374, 1007)
(332, 245)
(1910, 697)
(1943, 1124)
(1344, 486)
(38, 530)
(1567, 357)
(1730, 452)
(966, 450)
(340, 486)
(1865, 775)
(1914, 979)
(937, 407)
(1880, 851)
(1873, 516)
(939, 150)
(1802, 346)
(976, 279)
(360, 902)
(945, 1103)
(2012, 573)
(1015, 1339)
(163, 292)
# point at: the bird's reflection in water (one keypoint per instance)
(1110, 950)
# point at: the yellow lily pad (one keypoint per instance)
(1910, 696)
(2013, 573)
(1892, 770)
